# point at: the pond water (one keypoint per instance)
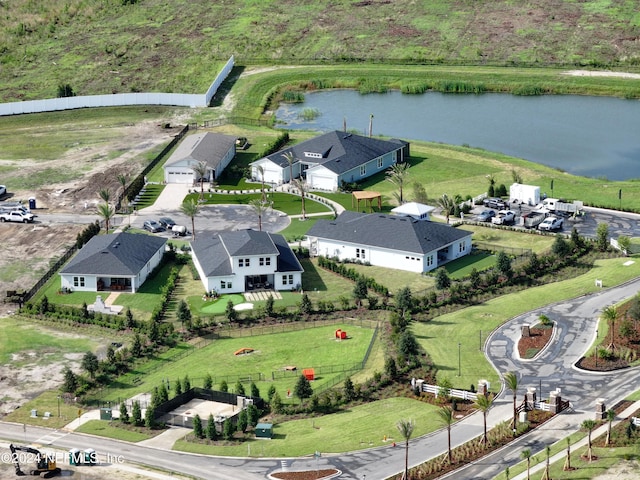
(588, 136)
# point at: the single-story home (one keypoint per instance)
(330, 159)
(389, 241)
(113, 262)
(415, 210)
(214, 149)
(245, 260)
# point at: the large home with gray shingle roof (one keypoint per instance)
(330, 159)
(214, 149)
(114, 262)
(389, 241)
(245, 260)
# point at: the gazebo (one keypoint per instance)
(368, 198)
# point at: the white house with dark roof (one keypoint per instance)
(245, 260)
(215, 149)
(328, 160)
(389, 241)
(114, 262)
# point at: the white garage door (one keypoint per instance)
(321, 182)
(179, 176)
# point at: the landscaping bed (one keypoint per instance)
(539, 336)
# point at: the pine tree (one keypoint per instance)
(178, 387)
(271, 392)
(163, 393)
(239, 388)
(197, 427)
(306, 306)
(276, 403)
(349, 390)
(70, 381)
(303, 388)
(242, 421)
(186, 384)
(211, 431)
(136, 346)
(227, 429)
(149, 416)
(136, 413)
(124, 413)
(208, 382)
(230, 312)
(253, 414)
(268, 307)
(224, 387)
(255, 391)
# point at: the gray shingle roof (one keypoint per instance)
(214, 253)
(202, 147)
(387, 231)
(114, 254)
(340, 151)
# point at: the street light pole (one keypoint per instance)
(596, 348)
(58, 406)
(459, 344)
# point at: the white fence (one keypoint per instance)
(119, 99)
(545, 407)
(635, 421)
(453, 392)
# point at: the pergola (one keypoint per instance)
(368, 198)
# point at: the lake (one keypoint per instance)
(587, 136)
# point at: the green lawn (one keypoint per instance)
(218, 306)
(309, 348)
(440, 336)
(357, 428)
(107, 429)
(463, 266)
(298, 228)
(45, 402)
(282, 202)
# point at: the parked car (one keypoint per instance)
(152, 226)
(551, 223)
(166, 222)
(486, 215)
(3, 190)
(504, 217)
(494, 203)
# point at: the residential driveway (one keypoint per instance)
(210, 218)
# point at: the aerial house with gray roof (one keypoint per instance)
(389, 241)
(114, 262)
(330, 159)
(245, 260)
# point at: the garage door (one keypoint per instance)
(321, 182)
(176, 176)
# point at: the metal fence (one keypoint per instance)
(120, 99)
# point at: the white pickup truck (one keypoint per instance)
(16, 216)
(504, 217)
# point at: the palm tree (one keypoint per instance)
(290, 160)
(105, 195)
(122, 180)
(526, 454)
(106, 212)
(190, 209)
(201, 169)
(259, 208)
(567, 462)
(446, 419)
(611, 416)
(511, 381)
(260, 170)
(405, 427)
(547, 474)
(302, 187)
(589, 425)
(397, 175)
(483, 403)
(610, 314)
(447, 205)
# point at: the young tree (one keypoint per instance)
(547, 472)
(446, 418)
(136, 414)
(186, 383)
(301, 185)
(419, 193)
(271, 392)
(260, 170)
(483, 403)
(405, 428)
(602, 237)
(503, 264)
(511, 382)
(177, 387)
(276, 403)
(560, 247)
(589, 425)
(243, 423)
(255, 391)
(149, 417)
(611, 416)
(197, 427)
(290, 160)
(136, 346)
(303, 388)
(90, 364)
(230, 312)
(224, 387)
(360, 291)
(349, 391)
(259, 208)
(106, 212)
(404, 301)
(130, 322)
(124, 413)
(227, 429)
(163, 393)
(397, 175)
(268, 306)
(239, 388)
(105, 195)
(447, 205)
(253, 414)
(201, 169)
(184, 315)
(610, 314)
(391, 368)
(70, 383)
(526, 455)
(567, 461)
(190, 209)
(442, 279)
(211, 432)
(208, 382)
(305, 305)
(124, 202)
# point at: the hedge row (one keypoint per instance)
(351, 274)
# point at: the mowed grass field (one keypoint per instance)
(357, 428)
(309, 348)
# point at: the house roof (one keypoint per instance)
(215, 253)
(337, 151)
(202, 147)
(118, 254)
(387, 231)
